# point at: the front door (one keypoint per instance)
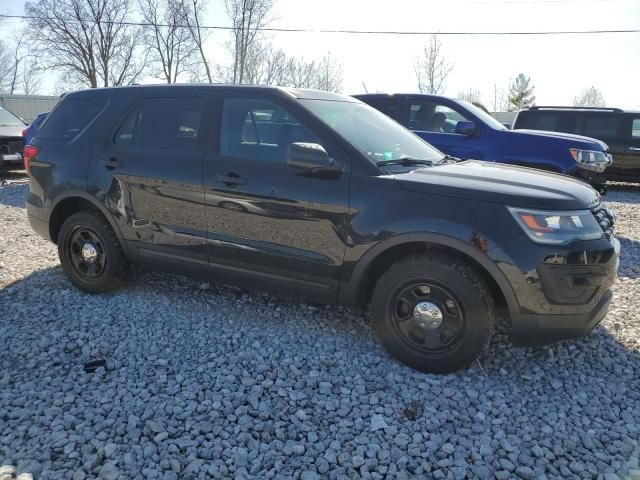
(632, 151)
(435, 121)
(149, 176)
(272, 225)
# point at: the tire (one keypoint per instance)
(434, 340)
(100, 267)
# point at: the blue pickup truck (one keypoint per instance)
(462, 130)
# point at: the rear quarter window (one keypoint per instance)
(71, 117)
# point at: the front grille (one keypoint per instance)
(605, 218)
(11, 145)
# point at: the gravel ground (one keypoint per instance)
(203, 381)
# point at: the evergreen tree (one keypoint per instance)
(521, 93)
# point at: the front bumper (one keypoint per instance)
(535, 329)
(566, 294)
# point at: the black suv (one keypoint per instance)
(620, 129)
(318, 195)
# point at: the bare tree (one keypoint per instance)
(266, 65)
(328, 74)
(589, 97)
(90, 42)
(31, 77)
(300, 74)
(248, 17)
(470, 95)
(195, 11)
(167, 38)
(6, 67)
(500, 99)
(432, 69)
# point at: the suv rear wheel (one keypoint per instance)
(433, 313)
(90, 253)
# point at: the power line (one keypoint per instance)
(358, 32)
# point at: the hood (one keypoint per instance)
(499, 183)
(12, 131)
(576, 140)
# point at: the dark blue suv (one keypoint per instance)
(462, 130)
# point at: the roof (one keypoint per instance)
(301, 93)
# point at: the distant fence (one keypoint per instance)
(28, 106)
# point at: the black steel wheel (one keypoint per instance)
(427, 316)
(433, 313)
(87, 253)
(90, 253)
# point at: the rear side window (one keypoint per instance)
(71, 117)
(163, 123)
(546, 122)
(600, 126)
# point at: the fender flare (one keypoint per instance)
(94, 201)
(350, 291)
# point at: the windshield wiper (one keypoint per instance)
(405, 162)
(450, 159)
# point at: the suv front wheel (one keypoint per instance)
(433, 312)
(90, 253)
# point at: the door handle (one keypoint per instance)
(231, 179)
(111, 163)
(634, 149)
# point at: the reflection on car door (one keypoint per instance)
(150, 174)
(269, 223)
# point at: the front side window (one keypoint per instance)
(432, 117)
(373, 133)
(163, 123)
(259, 130)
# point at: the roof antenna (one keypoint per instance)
(365, 87)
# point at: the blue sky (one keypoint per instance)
(560, 66)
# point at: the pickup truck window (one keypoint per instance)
(433, 117)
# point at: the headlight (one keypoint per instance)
(591, 159)
(557, 227)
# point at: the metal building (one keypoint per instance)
(28, 106)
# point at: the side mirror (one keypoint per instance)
(311, 156)
(466, 128)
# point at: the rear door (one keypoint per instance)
(271, 225)
(632, 151)
(149, 174)
(435, 121)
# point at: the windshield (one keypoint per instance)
(482, 115)
(373, 133)
(8, 119)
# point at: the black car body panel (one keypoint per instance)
(320, 235)
(620, 129)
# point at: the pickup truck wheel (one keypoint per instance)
(90, 253)
(433, 313)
